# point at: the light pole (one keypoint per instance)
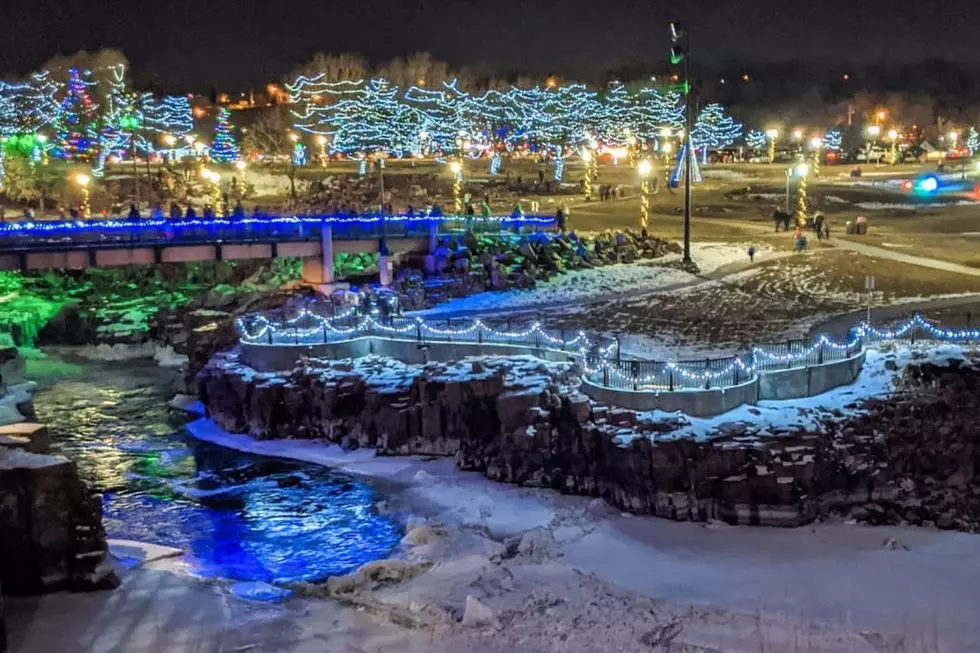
(321, 140)
(457, 169)
(83, 181)
(874, 131)
(802, 171)
(644, 168)
(680, 52)
(816, 143)
(213, 178)
(241, 166)
(772, 134)
(893, 137)
(587, 181)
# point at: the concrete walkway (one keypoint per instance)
(881, 252)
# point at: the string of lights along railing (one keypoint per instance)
(330, 220)
(268, 330)
(919, 322)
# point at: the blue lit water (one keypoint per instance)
(236, 516)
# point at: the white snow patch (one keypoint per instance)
(875, 381)
(725, 175)
(886, 206)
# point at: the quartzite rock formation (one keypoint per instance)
(912, 458)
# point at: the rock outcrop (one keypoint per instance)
(53, 538)
(520, 421)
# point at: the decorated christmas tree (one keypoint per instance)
(224, 148)
(78, 126)
(714, 130)
(973, 141)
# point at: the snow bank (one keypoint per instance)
(875, 381)
(885, 206)
(725, 175)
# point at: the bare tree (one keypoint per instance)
(420, 69)
(269, 136)
(99, 62)
(335, 67)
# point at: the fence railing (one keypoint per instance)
(93, 233)
(599, 357)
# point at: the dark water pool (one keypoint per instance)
(236, 516)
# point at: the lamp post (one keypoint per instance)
(83, 181)
(873, 133)
(321, 140)
(802, 171)
(816, 143)
(644, 168)
(241, 166)
(772, 134)
(457, 169)
(893, 137)
(587, 181)
(213, 178)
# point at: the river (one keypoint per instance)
(236, 516)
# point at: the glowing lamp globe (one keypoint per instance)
(802, 170)
(586, 155)
(240, 164)
(816, 142)
(41, 138)
(82, 179)
(893, 134)
(772, 133)
(645, 167)
(455, 167)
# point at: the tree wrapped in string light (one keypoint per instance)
(973, 141)
(713, 130)
(224, 147)
(77, 134)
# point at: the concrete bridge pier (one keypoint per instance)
(319, 270)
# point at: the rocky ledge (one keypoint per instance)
(518, 420)
(53, 538)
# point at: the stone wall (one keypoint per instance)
(544, 434)
(53, 538)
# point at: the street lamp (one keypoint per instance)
(645, 169)
(83, 181)
(240, 166)
(321, 140)
(587, 181)
(457, 169)
(816, 143)
(802, 171)
(772, 134)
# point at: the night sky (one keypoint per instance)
(182, 45)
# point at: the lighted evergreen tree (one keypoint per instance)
(833, 140)
(756, 140)
(77, 135)
(714, 129)
(973, 141)
(224, 148)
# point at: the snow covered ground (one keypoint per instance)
(888, 206)
(579, 286)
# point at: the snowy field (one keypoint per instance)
(598, 284)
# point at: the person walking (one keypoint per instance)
(560, 219)
(752, 254)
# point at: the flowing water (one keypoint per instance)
(236, 516)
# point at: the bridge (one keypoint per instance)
(315, 239)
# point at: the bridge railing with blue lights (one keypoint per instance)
(83, 234)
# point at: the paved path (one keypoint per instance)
(841, 324)
(891, 255)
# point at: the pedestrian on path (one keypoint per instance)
(752, 254)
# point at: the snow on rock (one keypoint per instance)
(117, 352)
(478, 615)
(259, 591)
(166, 357)
(134, 554)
